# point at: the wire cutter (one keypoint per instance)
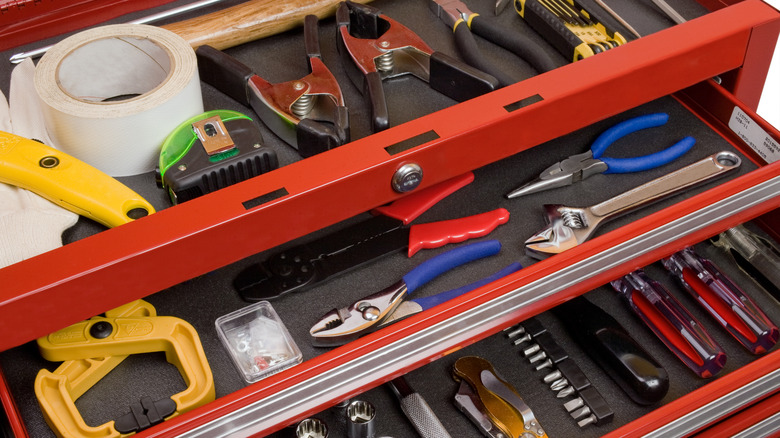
(466, 23)
(309, 113)
(581, 166)
(389, 230)
(374, 47)
(368, 314)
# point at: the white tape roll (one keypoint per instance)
(113, 93)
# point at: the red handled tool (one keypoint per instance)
(672, 323)
(724, 300)
(304, 265)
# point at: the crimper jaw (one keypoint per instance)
(374, 47)
(343, 325)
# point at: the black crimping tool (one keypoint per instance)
(308, 113)
(374, 47)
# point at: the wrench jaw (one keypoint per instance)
(341, 326)
(567, 227)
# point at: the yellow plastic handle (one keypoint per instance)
(109, 338)
(68, 182)
(177, 338)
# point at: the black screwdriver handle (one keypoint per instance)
(610, 345)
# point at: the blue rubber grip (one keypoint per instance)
(430, 269)
(428, 302)
(638, 164)
(624, 128)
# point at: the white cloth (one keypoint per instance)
(29, 224)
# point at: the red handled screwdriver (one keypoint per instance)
(724, 300)
(672, 323)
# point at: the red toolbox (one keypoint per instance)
(706, 74)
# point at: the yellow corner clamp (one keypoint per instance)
(130, 329)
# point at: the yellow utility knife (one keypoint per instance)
(68, 182)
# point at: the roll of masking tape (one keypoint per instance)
(112, 94)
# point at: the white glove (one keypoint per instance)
(29, 224)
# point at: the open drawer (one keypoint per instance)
(184, 258)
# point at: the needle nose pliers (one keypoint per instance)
(581, 166)
(466, 23)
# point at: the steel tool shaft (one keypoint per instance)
(19, 57)
(571, 226)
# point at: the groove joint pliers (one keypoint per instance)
(375, 311)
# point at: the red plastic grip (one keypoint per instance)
(407, 209)
(436, 234)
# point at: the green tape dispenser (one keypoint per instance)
(212, 151)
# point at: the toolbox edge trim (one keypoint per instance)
(721, 407)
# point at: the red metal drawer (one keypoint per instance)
(216, 230)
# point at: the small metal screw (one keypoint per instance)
(522, 340)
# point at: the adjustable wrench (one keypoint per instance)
(571, 226)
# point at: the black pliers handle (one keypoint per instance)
(465, 24)
(293, 110)
(374, 47)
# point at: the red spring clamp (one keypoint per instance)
(374, 47)
(308, 113)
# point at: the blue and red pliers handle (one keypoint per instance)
(304, 265)
(672, 323)
(465, 24)
(724, 300)
(342, 325)
(582, 166)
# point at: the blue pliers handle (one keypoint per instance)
(581, 166)
(369, 313)
(432, 268)
(645, 162)
(426, 303)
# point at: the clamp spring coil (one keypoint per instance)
(385, 62)
(303, 105)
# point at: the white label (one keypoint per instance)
(755, 136)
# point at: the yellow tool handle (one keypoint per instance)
(101, 337)
(250, 21)
(68, 182)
